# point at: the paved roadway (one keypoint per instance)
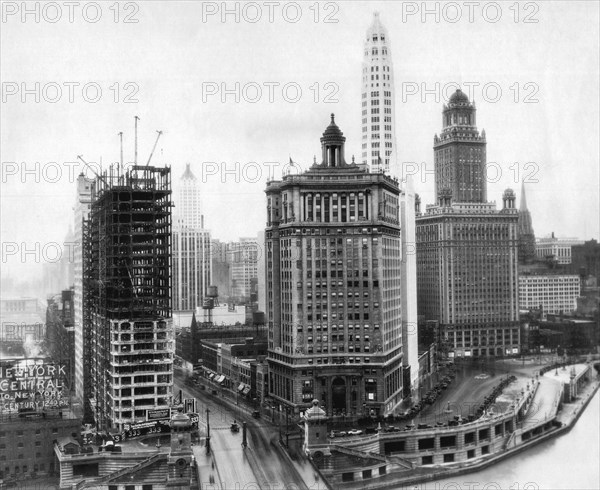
(463, 396)
(261, 465)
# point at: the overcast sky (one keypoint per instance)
(171, 66)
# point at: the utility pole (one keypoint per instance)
(207, 431)
(287, 423)
(280, 434)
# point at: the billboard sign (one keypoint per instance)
(159, 414)
(32, 385)
(151, 427)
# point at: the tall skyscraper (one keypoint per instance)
(459, 153)
(191, 246)
(333, 286)
(526, 235)
(380, 153)
(378, 136)
(127, 295)
(82, 356)
(467, 251)
(410, 340)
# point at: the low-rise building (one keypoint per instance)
(27, 443)
(554, 248)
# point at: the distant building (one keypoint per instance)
(21, 320)
(220, 267)
(219, 353)
(554, 293)
(83, 358)
(585, 259)
(556, 249)
(60, 332)
(526, 235)
(190, 341)
(191, 246)
(261, 272)
(242, 257)
(576, 335)
(467, 250)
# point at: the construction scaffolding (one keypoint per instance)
(127, 294)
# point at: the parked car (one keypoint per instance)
(338, 433)
(355, 432)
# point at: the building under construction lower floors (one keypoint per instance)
(133, 370)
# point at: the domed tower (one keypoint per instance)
(332, 146)
(181, 457)
(378, 137)
(460, 152)
(508, 199)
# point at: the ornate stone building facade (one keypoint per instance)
(333, 286)
(467, 274)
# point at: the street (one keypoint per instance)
(261, 465)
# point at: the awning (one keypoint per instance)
(241, 387)
(221, 378)
(246, 390)
(211, 376)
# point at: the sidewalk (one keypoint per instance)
(209, 473)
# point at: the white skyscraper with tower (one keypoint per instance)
(380, 154)
(191, 246)
(378, 137)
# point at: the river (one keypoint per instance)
(566, 462)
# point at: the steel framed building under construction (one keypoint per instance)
(128, 330)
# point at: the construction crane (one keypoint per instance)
(92, 169)
(154, 147)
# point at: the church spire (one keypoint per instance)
(525, 231)
(523, 204)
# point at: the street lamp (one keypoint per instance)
(207, 431)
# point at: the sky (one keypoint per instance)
(240, 88)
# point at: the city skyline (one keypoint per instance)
(552, 134)
(196, 292)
